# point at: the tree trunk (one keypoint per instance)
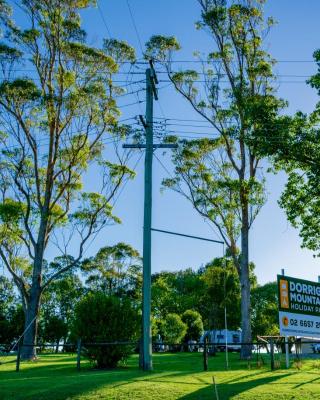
(31, 317)
(57, 346)
(31, 324)
(246, 349)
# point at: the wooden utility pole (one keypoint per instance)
(151, 94)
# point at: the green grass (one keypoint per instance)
(175, 376)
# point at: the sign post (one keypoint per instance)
(286, 340)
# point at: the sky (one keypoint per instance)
(274, 244)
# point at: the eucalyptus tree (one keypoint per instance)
(220, 175)
(116, 271)
(59, 117)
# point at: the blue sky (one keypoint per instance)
(274, 243)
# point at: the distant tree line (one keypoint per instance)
(103, 303)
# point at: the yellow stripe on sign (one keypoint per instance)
(284, 294)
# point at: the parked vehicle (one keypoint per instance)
(222, 337)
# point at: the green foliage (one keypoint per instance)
(57, 119)
(11, 211)
(161, 48)
(61, 297)
(101, 318)
(173, 329)
(293, 146)
(301, 202)
(205, 292)
(20, 92)
(11, 325)
(115, 270)
(221, 289)
(55, 329)
(7, 295)
(94, 208)
(7, 52)
(119, 50)
(11, 314)
(216, 193)
(194, 323)
(265, 313)
(175, 292)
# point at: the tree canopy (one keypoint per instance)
(58, 122)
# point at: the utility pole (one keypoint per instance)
(151, 94)
(146, 283)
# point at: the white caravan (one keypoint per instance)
(223, 336)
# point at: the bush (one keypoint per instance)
(193, 320)
(100, 318)
(173, 329)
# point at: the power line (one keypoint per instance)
(43, 145)
(212, 75)
(131, 104)
(219, 62)
(129, 93)
(135, 27)
(104, 20)
(142, 61)
(174, 72)
(128, 119)
(180, 119)
(2, 80)
(44, 142)
(204, 81)
(186, 125)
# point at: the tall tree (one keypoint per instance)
(234, 94)
(55, 123)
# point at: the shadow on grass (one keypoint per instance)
(228, 390)
(54, 377)
(306, 383)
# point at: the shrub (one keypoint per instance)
(193, 320)
(100, 318)
(173, 329)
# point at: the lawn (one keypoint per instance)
(175, 376)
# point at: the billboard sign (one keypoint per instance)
(299, 307)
